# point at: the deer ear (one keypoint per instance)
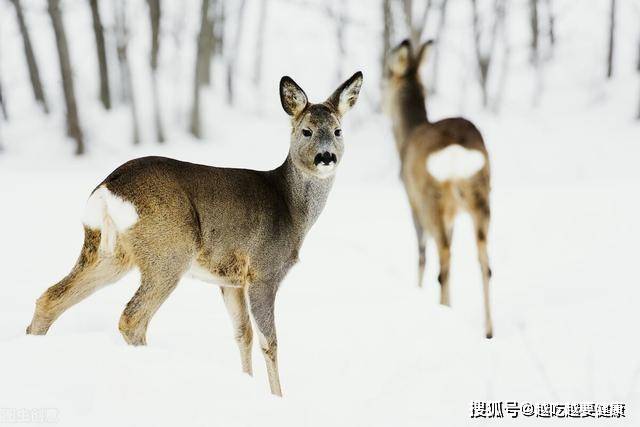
(424, 50)
(400, 58)
(347, 94)
(292, 97)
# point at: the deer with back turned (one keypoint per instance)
(444, 168)
(240, 229)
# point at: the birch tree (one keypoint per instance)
(73, 123)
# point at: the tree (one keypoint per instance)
(232, 53)
(202, 57)
(535, 32)
(122, 42)
(612, 29)
(209, 42)
(436, 54)
(638, 69)
(154, 16)
(338, 13)
(414, 29)
(262, 24)
(73, 123)
(32, 64)
(551, 29)
(3, 105)
(98, 32)
(485, 55)
(387, 33)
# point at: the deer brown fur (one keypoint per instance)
(435, 200)
(239, 228)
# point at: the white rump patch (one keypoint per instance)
(454, 162)
(110, 214)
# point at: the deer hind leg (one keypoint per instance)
(261, 300)
(481, 215)
(155, 288)
(234, 299)
(421, 247)
(93, 270)
(443, 237)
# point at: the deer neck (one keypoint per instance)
(305, 195)
(409, 111)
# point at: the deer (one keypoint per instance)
(240, 229)
(444, 167)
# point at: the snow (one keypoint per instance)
(454, 162)
(359, 342)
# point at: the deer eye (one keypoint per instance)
(306, 132)
(337, 132)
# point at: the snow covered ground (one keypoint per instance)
(359, 343)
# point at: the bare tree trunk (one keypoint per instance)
(232, 54)
(535, 32)
(415, 30)
(551, 30)
(3, 105)
(484, 57)
(73, 123)
(612, 29)
(262, 25)
(34, 73)
(122, 42)
(5, 114)
(387, 33)
(98, 31)
(638, 69)
(436, 54)
(200, 68)
(220, 34)
(504, 73)
(154, 16)
(407, 8)
(209, 42)
(338, 13)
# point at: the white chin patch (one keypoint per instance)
(325, 170)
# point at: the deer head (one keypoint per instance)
(316, 135)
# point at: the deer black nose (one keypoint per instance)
(325, 158)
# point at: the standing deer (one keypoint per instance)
(237, 228)
(444, 168)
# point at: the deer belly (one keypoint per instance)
(199, 272)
